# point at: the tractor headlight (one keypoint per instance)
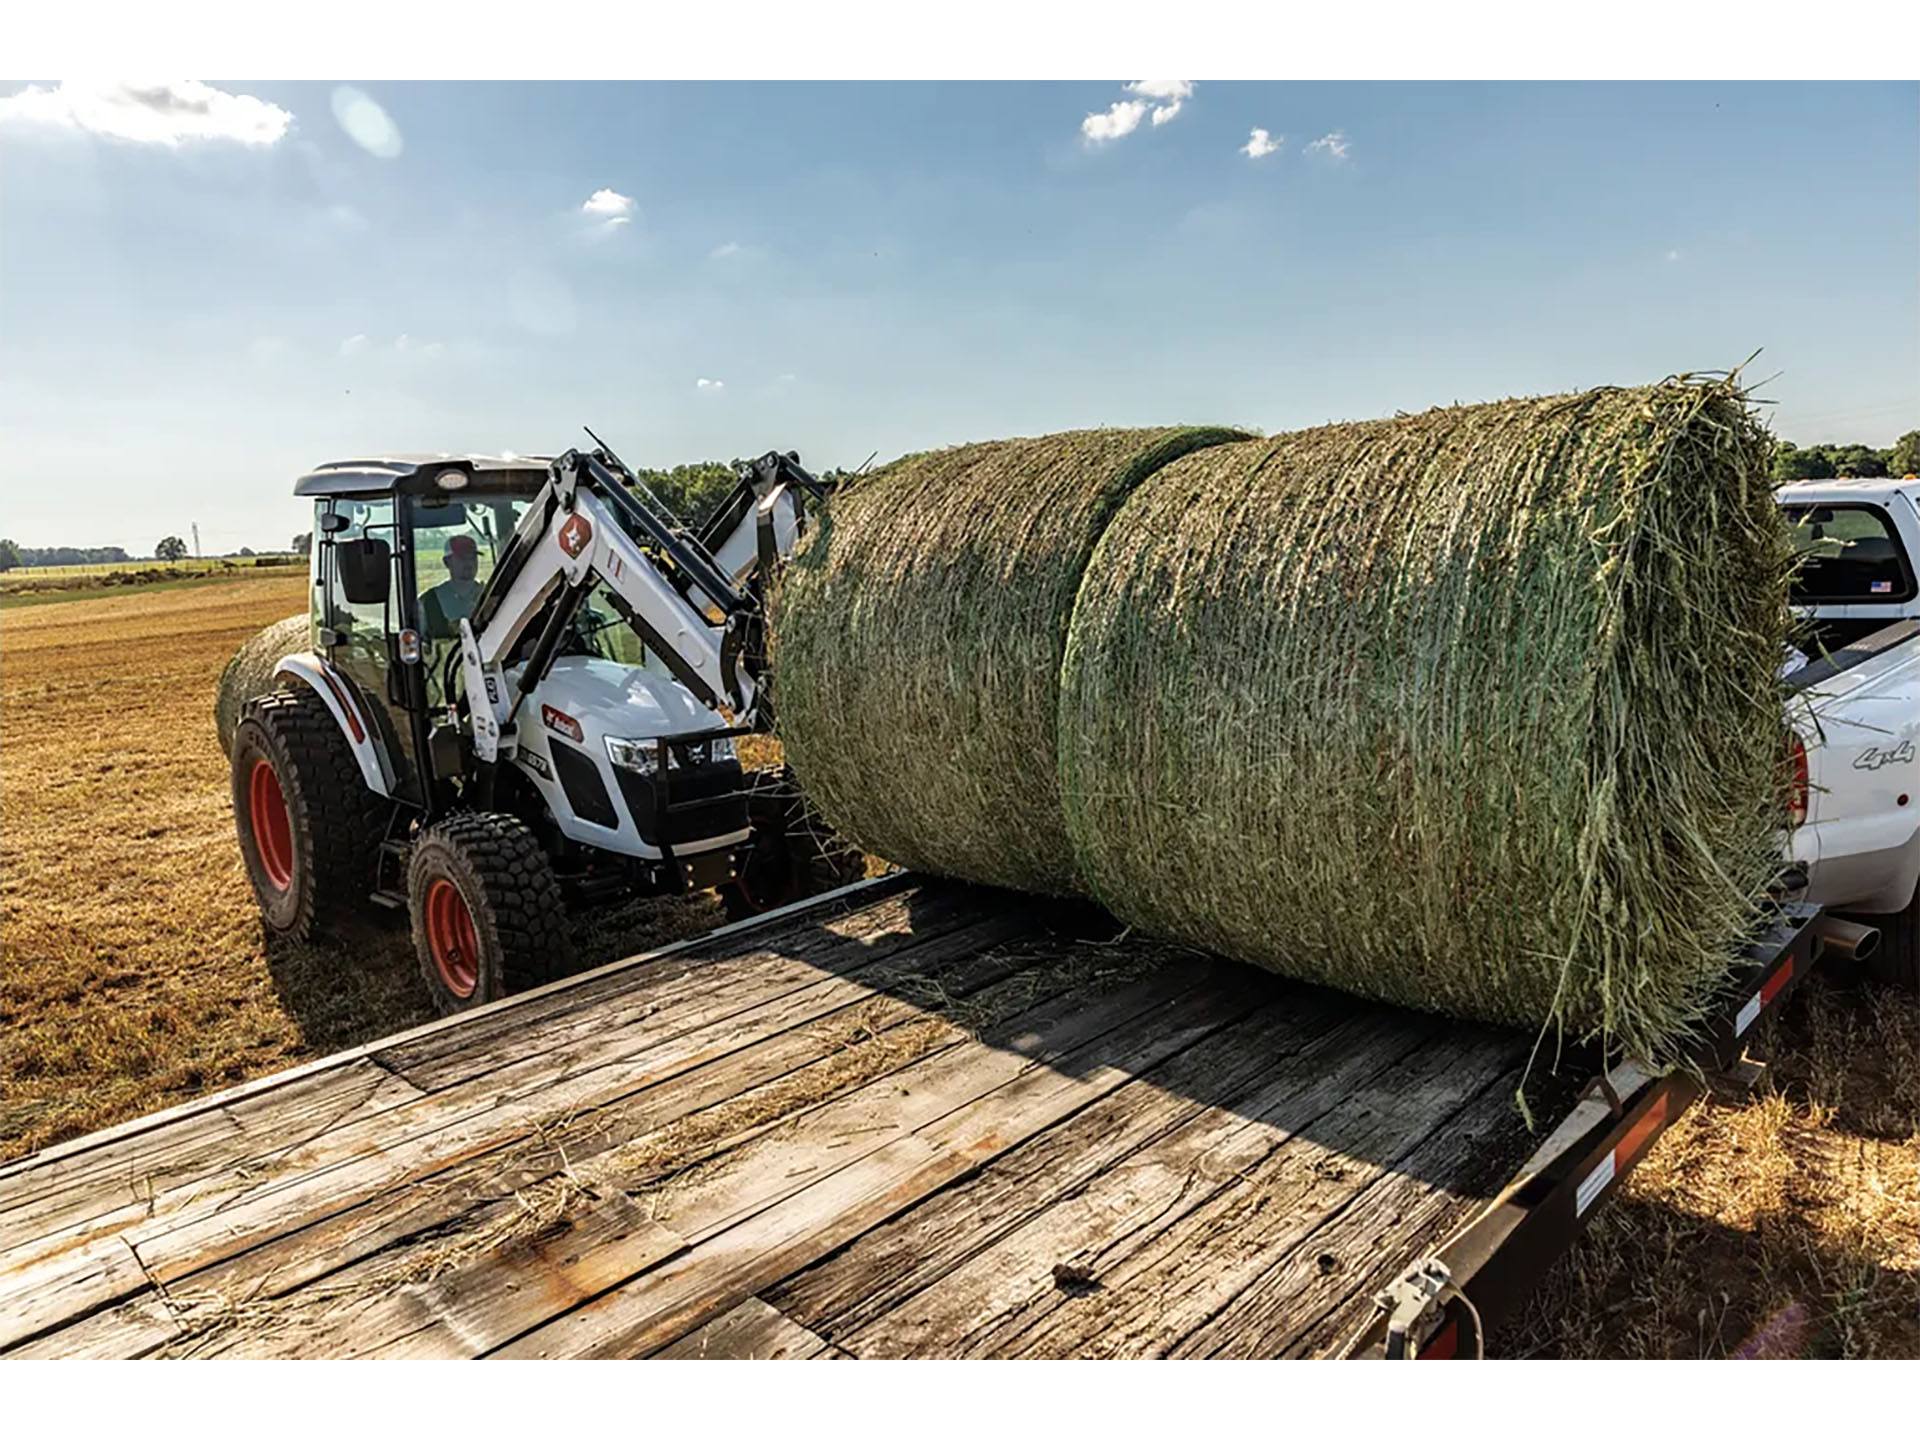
(640, 756)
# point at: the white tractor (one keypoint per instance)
(525, 686)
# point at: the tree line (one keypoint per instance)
(1831, 462)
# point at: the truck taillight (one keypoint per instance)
(1798, 779)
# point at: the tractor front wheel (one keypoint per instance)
(488, 919)
(309, 828)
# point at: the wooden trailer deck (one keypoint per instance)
(919, 1120)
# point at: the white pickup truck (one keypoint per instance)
(1855, 709)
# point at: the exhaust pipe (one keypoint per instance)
(1846, 939)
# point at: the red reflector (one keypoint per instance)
(1798, 781)
(1444, 1345)
(1641, 1135)
(1775, 983)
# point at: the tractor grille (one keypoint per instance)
(702, 801)
(586, 791)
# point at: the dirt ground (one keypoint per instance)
(133, 970)
(134, 975)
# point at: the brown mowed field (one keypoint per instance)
(133, 975)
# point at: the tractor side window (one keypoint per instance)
(362, 624)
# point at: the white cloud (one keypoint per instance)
(1260, 143)
(608, 205)
(1673, 255)
(726, 251)
(703, 383)
(1121, 118)
(1171, 95)
(1333, 145)
(1162, 98)
(366, 123)
(169, 113)
(353, 344)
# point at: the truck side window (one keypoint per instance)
(1848, 554)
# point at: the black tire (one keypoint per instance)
(1897, 959)
(794, 852)
(490, 869)
(312, 862)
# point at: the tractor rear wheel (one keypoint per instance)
(309, 828)
(488, 919)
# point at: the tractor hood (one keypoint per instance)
(605, 698)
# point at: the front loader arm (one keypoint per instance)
(584, 527)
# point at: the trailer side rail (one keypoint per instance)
(1441, 1306)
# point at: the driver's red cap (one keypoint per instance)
(462, 545)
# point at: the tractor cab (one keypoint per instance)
(402, 549)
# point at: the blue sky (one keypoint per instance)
(203, 292)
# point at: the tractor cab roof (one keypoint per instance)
(390, 473)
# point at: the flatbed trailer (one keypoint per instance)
(911, 1118)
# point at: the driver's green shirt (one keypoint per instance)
(444, 606)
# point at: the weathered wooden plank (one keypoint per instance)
(342, 1173)
(838, 943)
(1149, 1270)
(62, 1288)
(37, 1200)
(729, 938)
(752, 1330)
(154, 1174)
(486, 1295)
(1302, 1305)
(307, 1253)
(1071, 1061)
(126, 1332)
(1283, 1065)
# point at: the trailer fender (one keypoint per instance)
(347, 711)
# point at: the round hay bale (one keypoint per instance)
(1475, 711)
(918, 636)
(250, 671)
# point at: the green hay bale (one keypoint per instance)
(1474, 711)
(250, 672)
(918, 637)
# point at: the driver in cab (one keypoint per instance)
(443, 607)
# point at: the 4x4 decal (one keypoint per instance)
(1872, 758)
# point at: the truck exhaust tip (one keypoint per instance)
(1846, 939)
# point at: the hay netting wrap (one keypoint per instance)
(250, 672)
(918, 637)
(1474, 711)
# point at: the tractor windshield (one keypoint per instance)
(456, 545)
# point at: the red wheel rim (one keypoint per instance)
(267, 817)
(451, 939)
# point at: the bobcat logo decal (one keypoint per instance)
(575, 534)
